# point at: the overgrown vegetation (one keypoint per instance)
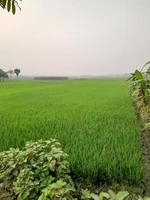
(140, 90)
(93, 119)
(38, 171)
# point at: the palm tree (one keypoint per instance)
(10, 5)
(3, 75)
(17, 72)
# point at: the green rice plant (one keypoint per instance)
(93, 119)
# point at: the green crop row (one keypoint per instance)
(93, 119)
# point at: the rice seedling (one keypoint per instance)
(93, 119)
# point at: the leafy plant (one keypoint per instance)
(140, 90)
(59, 190)
(117, 196)
(40, 169)
(137, 75)
(10, 5)
(17, 72)
(143, 198)
(111, 195)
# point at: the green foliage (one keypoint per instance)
(3, 75)
(86, 195)
(10, 5)
(59, 190)
(119, 196)
(39, 170)
(95, 115)
(17, 72)
(137, 75)
(140, 90)
(111, 195)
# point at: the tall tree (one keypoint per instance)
(10, 5)
(17, 72)
(10, 72)
(3, 75)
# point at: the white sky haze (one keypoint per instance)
(76, 37)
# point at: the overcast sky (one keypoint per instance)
(76, 37)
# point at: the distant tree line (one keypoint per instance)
(5, 75)
(51, 78)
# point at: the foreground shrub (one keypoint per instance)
(40, 171)
(40, 168)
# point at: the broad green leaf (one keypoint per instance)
(23, 196)
(112, 194)
(94, 196)
(140, 198)
(146, 198)
(139, 75)
(104, 194)
(121, 195)
(42, 197)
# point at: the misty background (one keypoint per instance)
(76, 37)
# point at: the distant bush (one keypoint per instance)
(51, 78)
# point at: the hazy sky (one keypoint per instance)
(76, 37)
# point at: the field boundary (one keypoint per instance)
(139, 88)
(145, 141)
